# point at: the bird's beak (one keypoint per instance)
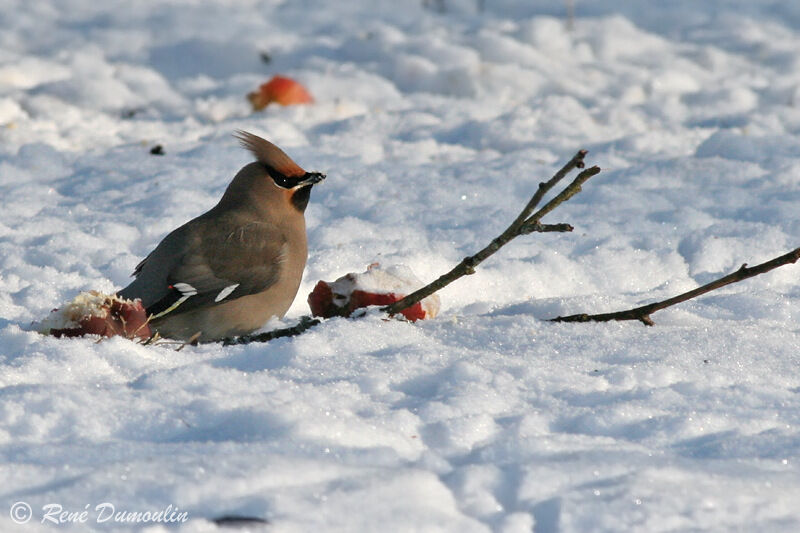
(310, 178)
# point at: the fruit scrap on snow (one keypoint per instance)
(96, 313)
(376, 286)
(281, 90)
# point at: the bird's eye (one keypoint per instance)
(279, 179)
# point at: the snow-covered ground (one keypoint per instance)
(434, 129)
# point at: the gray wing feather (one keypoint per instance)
(207, 265)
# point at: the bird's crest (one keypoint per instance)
(269, 154)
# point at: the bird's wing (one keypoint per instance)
(222, 266)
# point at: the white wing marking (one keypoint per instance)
(186, 290)
(224, 293)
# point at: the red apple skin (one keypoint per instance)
(122, 318)
(363, 299)
(321, 302)
(281, 90)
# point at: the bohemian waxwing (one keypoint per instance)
(231, 269)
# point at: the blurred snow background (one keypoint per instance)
(434, 127)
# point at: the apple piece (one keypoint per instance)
(376, 286)
(321, 301)
(281, 90)
(96, 313)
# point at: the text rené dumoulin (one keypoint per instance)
(106, 512)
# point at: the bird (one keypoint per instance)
(231, 269)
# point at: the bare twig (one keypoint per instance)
(304, 324)
(153, 339)
(545, 228)
(191, 341)
(643, 313)
(524, 224)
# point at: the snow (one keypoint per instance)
(434, 128)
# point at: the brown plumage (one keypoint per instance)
(231, 269)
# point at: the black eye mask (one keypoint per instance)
(291, 182)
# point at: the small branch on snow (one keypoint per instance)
(524, 224)
(643, 313)
(302, 326)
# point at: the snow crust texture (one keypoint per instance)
(434, 127)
